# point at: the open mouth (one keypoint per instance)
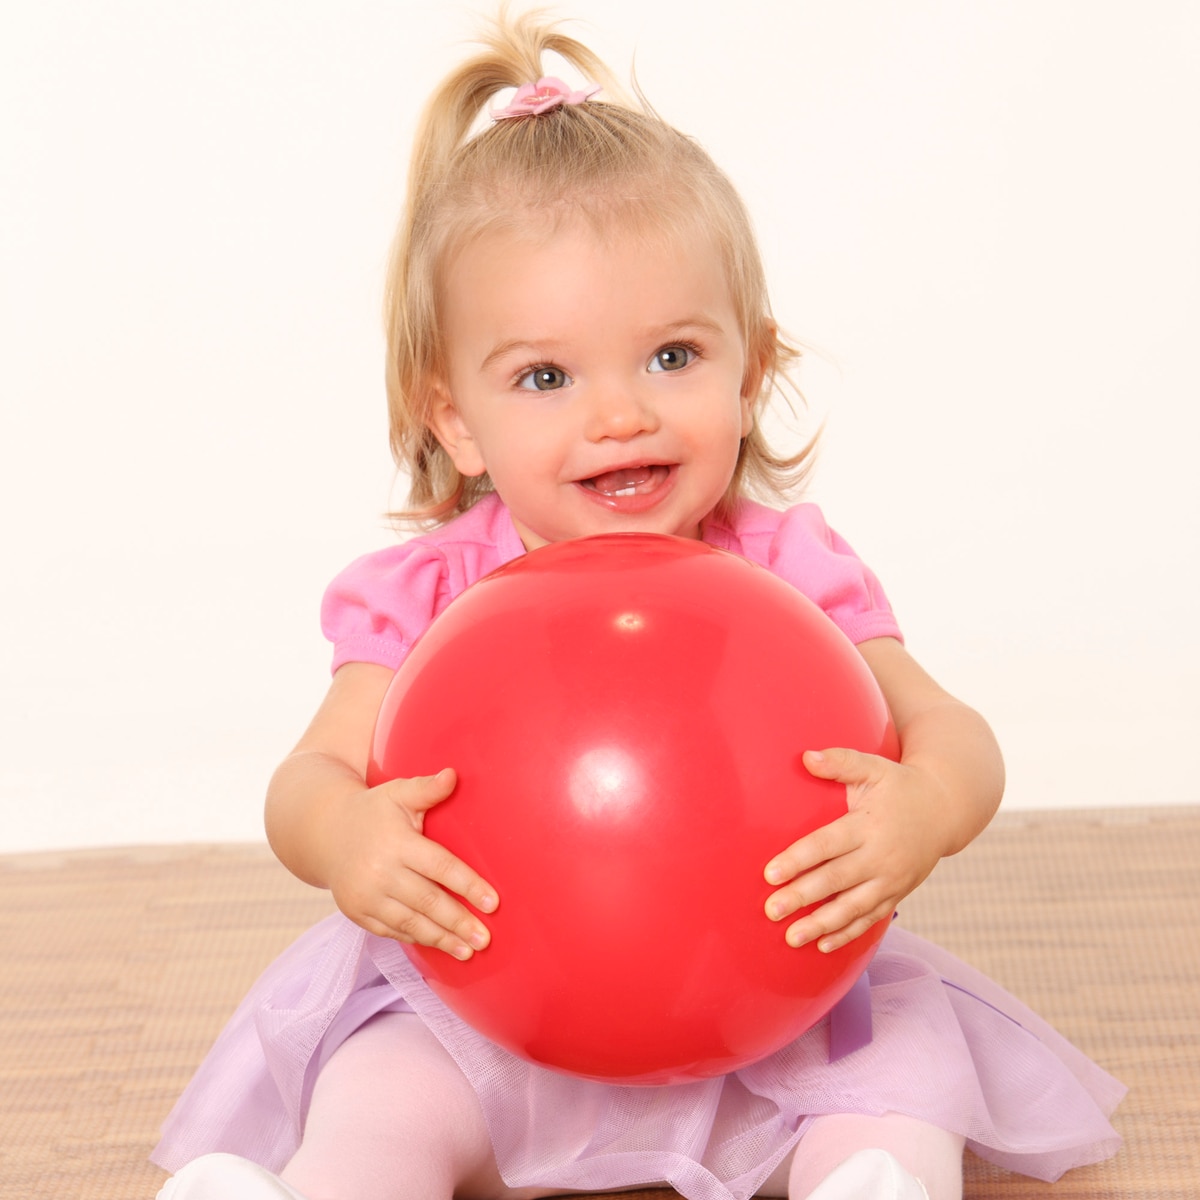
(628, 481)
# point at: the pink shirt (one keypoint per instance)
(380, 604)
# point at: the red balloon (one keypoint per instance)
(627, 714)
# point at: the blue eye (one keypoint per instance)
(544, 379)
(672, 358)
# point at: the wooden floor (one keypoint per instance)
(118, 969)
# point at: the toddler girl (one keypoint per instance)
(580, 342)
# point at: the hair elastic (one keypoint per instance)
(547, 94)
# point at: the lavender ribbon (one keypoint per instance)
(850, 1020)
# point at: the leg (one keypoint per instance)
(926, 1153)
(393, 1118)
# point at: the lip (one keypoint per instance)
(638, 503)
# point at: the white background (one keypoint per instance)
(985, 214)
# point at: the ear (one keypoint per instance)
(447, 425)
(749, 400)
(759, 359)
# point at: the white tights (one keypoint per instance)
(419, 1110)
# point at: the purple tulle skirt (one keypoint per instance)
(949, 1047)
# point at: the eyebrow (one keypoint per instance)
(505, 348)
(547, 347)
(698, 323)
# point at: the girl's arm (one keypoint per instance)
(365, 844)
(902, 817)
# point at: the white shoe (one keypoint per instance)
(226, 1177)
(870, 1175)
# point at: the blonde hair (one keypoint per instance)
(608, 163)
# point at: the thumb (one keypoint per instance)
(422, 792)
(843, 765)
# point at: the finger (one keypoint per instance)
(812, 887)
(423, 913)
(831, 841)
(404, 924)
(434, 881)
(433, 861)
(843, 937)
(851, 767)
(420, 793)
(840, 921)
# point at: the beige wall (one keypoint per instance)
(985, 214)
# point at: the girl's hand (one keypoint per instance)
(902, 816)
(386, 876)
(366, 845)
(863, 864)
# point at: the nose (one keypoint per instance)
(619, 414)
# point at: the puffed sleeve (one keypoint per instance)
(381, 603)
(799, 547)
(807, 553)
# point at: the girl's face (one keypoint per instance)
(597, 379)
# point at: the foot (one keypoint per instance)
(226, 1177)
(870, 1175)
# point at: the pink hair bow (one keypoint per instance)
(547, 94)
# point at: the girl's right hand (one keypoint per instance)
(386, 876)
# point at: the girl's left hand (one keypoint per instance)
(863, 864)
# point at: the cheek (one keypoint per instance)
(739, 416)
(522, 449)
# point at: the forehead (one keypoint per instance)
(573, 272)
(568, 235)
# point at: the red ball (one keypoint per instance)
(627, 714)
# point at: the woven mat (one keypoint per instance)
(119, 968)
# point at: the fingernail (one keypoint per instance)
(773, 873)
(479, 938)
(462, 953)
(488, 903)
